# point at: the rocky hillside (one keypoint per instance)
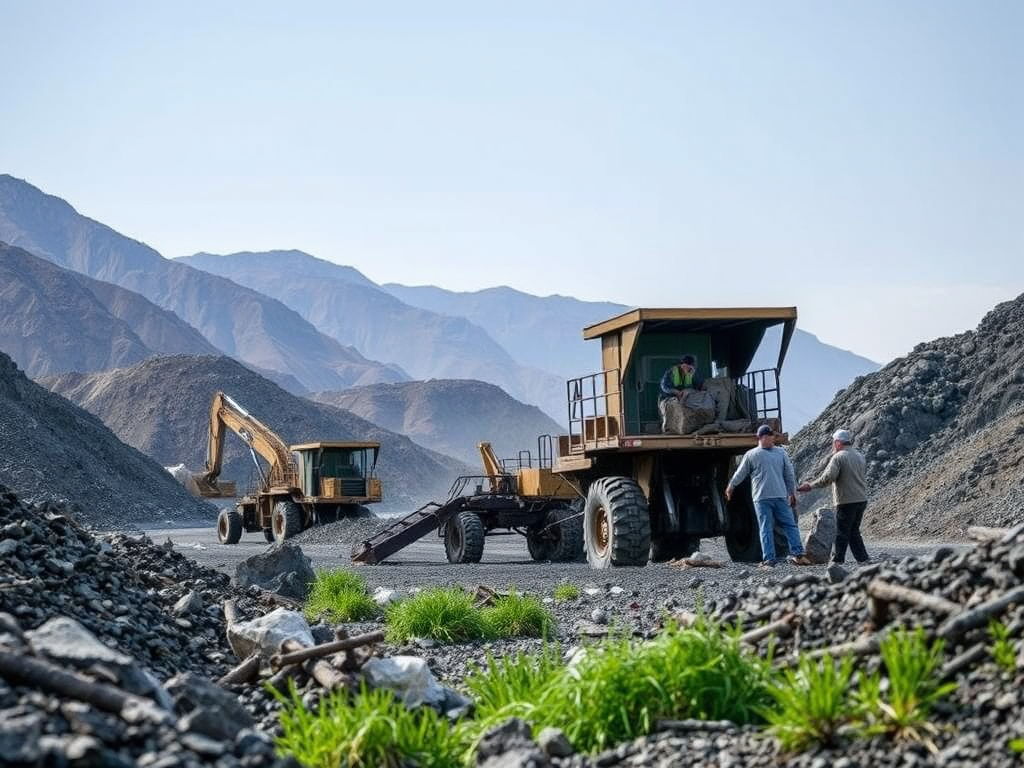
(53, 450)
(256, 329)
(346, 305)
(161, 406)
(942, 429)
(450, 415)
(54, 320)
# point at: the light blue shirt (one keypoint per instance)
(771, 473)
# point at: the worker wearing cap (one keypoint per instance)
(681, 377)
(845, 473)
(773, 486)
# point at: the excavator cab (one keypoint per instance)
(338, 471)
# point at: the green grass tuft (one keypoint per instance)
(340, 596)
(368, 730)
(447, 615)
(565, 592)
(1003, 652)
(507, 687)
(517, 615)
(812, 703)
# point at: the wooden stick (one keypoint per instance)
(968, 658)
(36, 673)
(983, 533)
(279, 681)
(782, 627)
(965, 621)
(279, 660)
(245, 672)
(694, 725)
(862, 646)
(895, 593)
(319, 669)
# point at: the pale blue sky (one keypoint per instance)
(862, 160)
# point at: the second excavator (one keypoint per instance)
(300, 486)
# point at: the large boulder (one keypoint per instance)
(265, 634)
(283, 569)
(206, 708)
(821, 536)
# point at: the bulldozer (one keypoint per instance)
(650, 494)
(302, 485)
(520, 495)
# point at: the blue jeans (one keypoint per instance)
(770, 512)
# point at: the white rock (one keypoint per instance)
(266, 633)
(592, 591)
(702, 556)
(383, 596)
(408, 676)
(616, 590)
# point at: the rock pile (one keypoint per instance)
(942, 430)
(55, 451)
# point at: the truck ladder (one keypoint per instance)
(403, 532)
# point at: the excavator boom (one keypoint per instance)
(225, 413)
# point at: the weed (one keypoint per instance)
(812, 703)
(902, 710)
(517, 615)
(369, 730)
(1003, 652)
(341, 596)
(512, 683)
(447, 615)
(1016, 745)
(565, 592)
(618, 690)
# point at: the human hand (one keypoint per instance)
(792, 502)
(728, 494)
(804, 487)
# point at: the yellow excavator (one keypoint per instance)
(302, 485)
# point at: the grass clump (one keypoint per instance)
(447, 615)
(507, 687)
(340, 596)
(517, 615)
(368, 730)
(912, 667)
(1003, 652)
(566, 592)
(812, 703)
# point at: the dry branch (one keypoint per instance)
(782, 627)
(280, 660)
(318, 668)
(895, 593)
(968, 658)
(245, 672)
(967, 620)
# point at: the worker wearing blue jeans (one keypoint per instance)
(773, 486)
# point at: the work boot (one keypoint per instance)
(801, 560)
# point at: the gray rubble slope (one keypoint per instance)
(54, 450)
(161, 406)
(450, 415)
(261, 331)
(54, 320)
(942, 429)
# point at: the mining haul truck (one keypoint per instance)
(652, 494)
(302, 485)
(643, 492)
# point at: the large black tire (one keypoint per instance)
(616, 523)
(268, 534)
(742, 538)
(464, 538)
(229, 526)
(559, 538)
(286, 520)
(670, 546)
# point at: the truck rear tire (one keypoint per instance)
(287, 520)
(616, 523)
(743, 539)
(229, 526)
(559, 538)
(464, 538)
(268, 534)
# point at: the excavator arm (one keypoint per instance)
(225, 413)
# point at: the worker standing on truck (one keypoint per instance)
(845, 473)
(773, 484)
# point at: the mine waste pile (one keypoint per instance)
(942, 430)
(119, 651)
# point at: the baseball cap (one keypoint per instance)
(688, 359)
(763, 430)
(843, 436)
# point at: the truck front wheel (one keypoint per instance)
(464, 538)
(616, 523)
